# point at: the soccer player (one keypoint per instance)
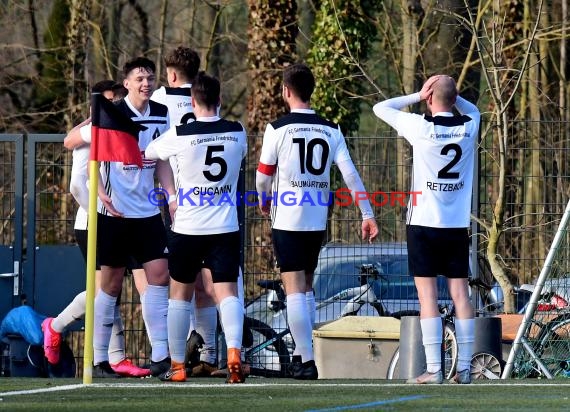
(54, 327)
(131, 226)
(437, 226)
(296, 156)
(208, 155)
(182, 65)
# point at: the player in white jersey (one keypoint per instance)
(438, 241)
(296, 156)
(54, 327)
(208, 155)
(182, 65)
(131, 226)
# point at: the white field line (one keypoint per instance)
(187, 385)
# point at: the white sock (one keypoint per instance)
(311, 306)
(72, 312)
(178, 324)
(102, 326)
(231, 315)
(117, 341)
(432, 330)
(300, 325)
(155, 311)
(206, 325)
(465, 333)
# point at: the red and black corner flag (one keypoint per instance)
(114, 136)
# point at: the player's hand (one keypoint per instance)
(265, 208)
(108, 203)
(369, 230)
(427, 89)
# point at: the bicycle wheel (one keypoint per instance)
(268, 356)
(449, 350)
(554, 346)
(394, 366)
(485, 366)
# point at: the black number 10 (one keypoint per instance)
(306, 161)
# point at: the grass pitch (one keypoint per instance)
(273, 395)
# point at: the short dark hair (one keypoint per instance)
(206, 90)
(185, 60)
(138, 63)
(120, 91)
(300, 80)
(103, 86)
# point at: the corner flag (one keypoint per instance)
(114, 136)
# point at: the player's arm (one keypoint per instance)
(466, 107)
(74, 138)
(166, 177)
(263, 182)
(360, 198)
(78, 188)
(391, 109)
(266, 170)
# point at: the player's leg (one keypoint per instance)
(431, 323)
(112, 255)
(423, 266)
(464, 328)
(294, 250)
(223, 263)
(458, 270)
(206, 322)
(183, 268)
(117, 353)
(147, 242)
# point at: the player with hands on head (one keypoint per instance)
(437, 225)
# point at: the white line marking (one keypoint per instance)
(186, 385)
(43, 390)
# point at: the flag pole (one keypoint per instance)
(91, 267)
(91, 251)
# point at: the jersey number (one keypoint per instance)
(445, 173)
(306, 162)
(211, 160)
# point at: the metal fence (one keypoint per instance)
(537, 191)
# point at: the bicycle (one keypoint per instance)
(280, 344)
(546, 345)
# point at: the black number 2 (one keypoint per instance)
(211, 159)
(445, 173)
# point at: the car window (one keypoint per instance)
(339, 273)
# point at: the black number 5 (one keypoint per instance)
(445, 173)
(211, 160)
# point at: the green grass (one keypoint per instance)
(275, 395)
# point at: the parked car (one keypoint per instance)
(341, 266)
(341, 272)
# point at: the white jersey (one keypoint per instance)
(300, 148)
(128, 186)
(179, 103)
(443, 161)
(79, 172)
(209, 153)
